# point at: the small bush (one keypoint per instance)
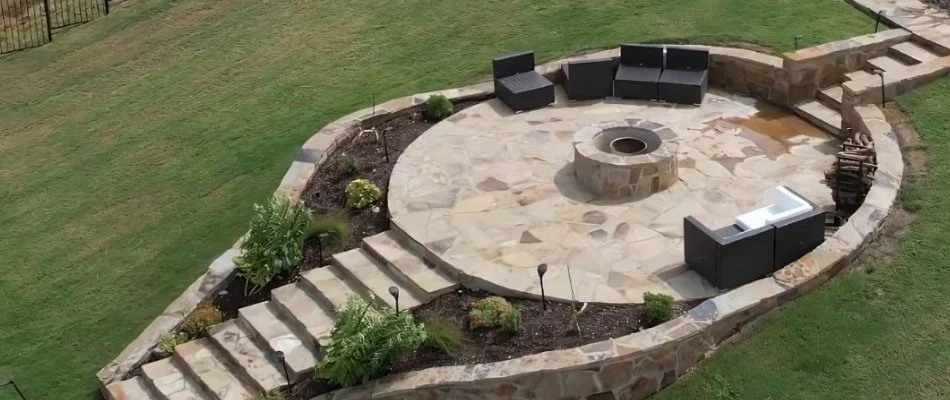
(197, 323)
(438, 107)
(493, 312)
(274, 244)
(444, 335)
(657, 308)
(364, 341)
(335, 225)
(347, 165)
(361, 193)
(166, 345)
(272, 395)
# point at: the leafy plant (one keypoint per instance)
(335, 225)
(274, 243)
(272, 395)
(438, 107)
(203, 317)
(444, 335)
(361, 193)
(166, 345)
(347, 165)
(364, 341)
(657, 308)
(493, 312)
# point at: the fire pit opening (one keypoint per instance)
(629, 146)
(625, 158)
(627, 141)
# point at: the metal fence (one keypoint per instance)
(32, 23)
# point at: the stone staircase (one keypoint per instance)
(825, 109)
(234, 361)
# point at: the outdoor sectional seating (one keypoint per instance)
(588, 79)
(518, 85)
(685, 76)
(639, 72)
(741, 253)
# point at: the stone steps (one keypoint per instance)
(911, 53)
(886, 63)
(202, 360)
(273, 333)
(407, 267)
(832, 96)
(820, 115)
(857, 75)
(131, 389)
(307, 312)
(171, 382)
(374, 278)
(245, 354)
(331, 288)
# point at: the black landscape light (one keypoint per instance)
(542, 268)
(394, 291)
(278, 356)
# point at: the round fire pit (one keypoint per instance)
(629, 158)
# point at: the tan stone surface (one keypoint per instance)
(494, 194)
(132, 389)
(407, 265)
(203, 361)
(304, 310)
(264, 320)
(368, 273)
(169, 380)
(241, 349)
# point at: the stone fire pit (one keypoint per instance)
(625, 158)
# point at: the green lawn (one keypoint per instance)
(884, 334)
(131, 148)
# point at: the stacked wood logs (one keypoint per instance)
(851, 175)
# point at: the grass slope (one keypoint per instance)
(879, 335)
(132, 147)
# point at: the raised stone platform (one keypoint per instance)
(493, 194)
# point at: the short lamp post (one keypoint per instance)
(278, 357)
(542, 268)
(877, 22)
(320, 239)
(880, 73)
(4, 382)
(394, 291)
(798, 41)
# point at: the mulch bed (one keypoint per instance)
(941, 4)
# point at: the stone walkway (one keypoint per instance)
(923, 20)
(493, 194)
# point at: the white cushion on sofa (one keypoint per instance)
(785, 204)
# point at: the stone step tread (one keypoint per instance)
(822, 113)
(265, 321)
(211, 369)
(914, 51)
(239, 345)
(131, 389)
(330, 286)
(887, 63)
(169, 380)
(427, 278)
(833, 94)
(857, 75)
(307, 311)
(358, 264)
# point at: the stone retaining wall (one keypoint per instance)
(868, 89)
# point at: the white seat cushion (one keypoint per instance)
(785, 204)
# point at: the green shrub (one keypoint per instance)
(493, 312)
(274, 243)
(335, 225)
(657, 308)
(272, 395)
(203, 317)
(166, 345)
(361, 193)
(347, 165)
(364, 341)
(438, 107)
(444, 335)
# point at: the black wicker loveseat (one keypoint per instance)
(639, 72)
(685, 76)
(518, 85)
(588, 79)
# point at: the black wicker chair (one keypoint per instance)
(685, 76)
(518, 85)
(639, 72)
(796, 236)
(728, 257)
(588, 79)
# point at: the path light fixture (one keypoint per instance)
(880, 73)
(320, 239)
(798, 41)
(278, 356)
(877, 23)
(542, 268)
(4, 382)
(394, 291)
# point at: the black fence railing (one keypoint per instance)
(32, 23)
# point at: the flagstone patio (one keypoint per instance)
(493, 194)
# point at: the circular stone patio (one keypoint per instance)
(494, 193)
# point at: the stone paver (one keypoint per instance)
(211, 369)
(264, 320)
(886, 63)
(132, 389)
(913, 15)
(857, 75)
(170, 381)
(406, 264)
(364, 270)
(832, 96)
(306, 312)
(822, 115)
(912, 51)
(325, 284)
(240, 347)
(493, 194)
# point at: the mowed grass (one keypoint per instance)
(132, 147)
(884, 334)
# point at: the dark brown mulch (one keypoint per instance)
(941, 4)
(540, 331)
